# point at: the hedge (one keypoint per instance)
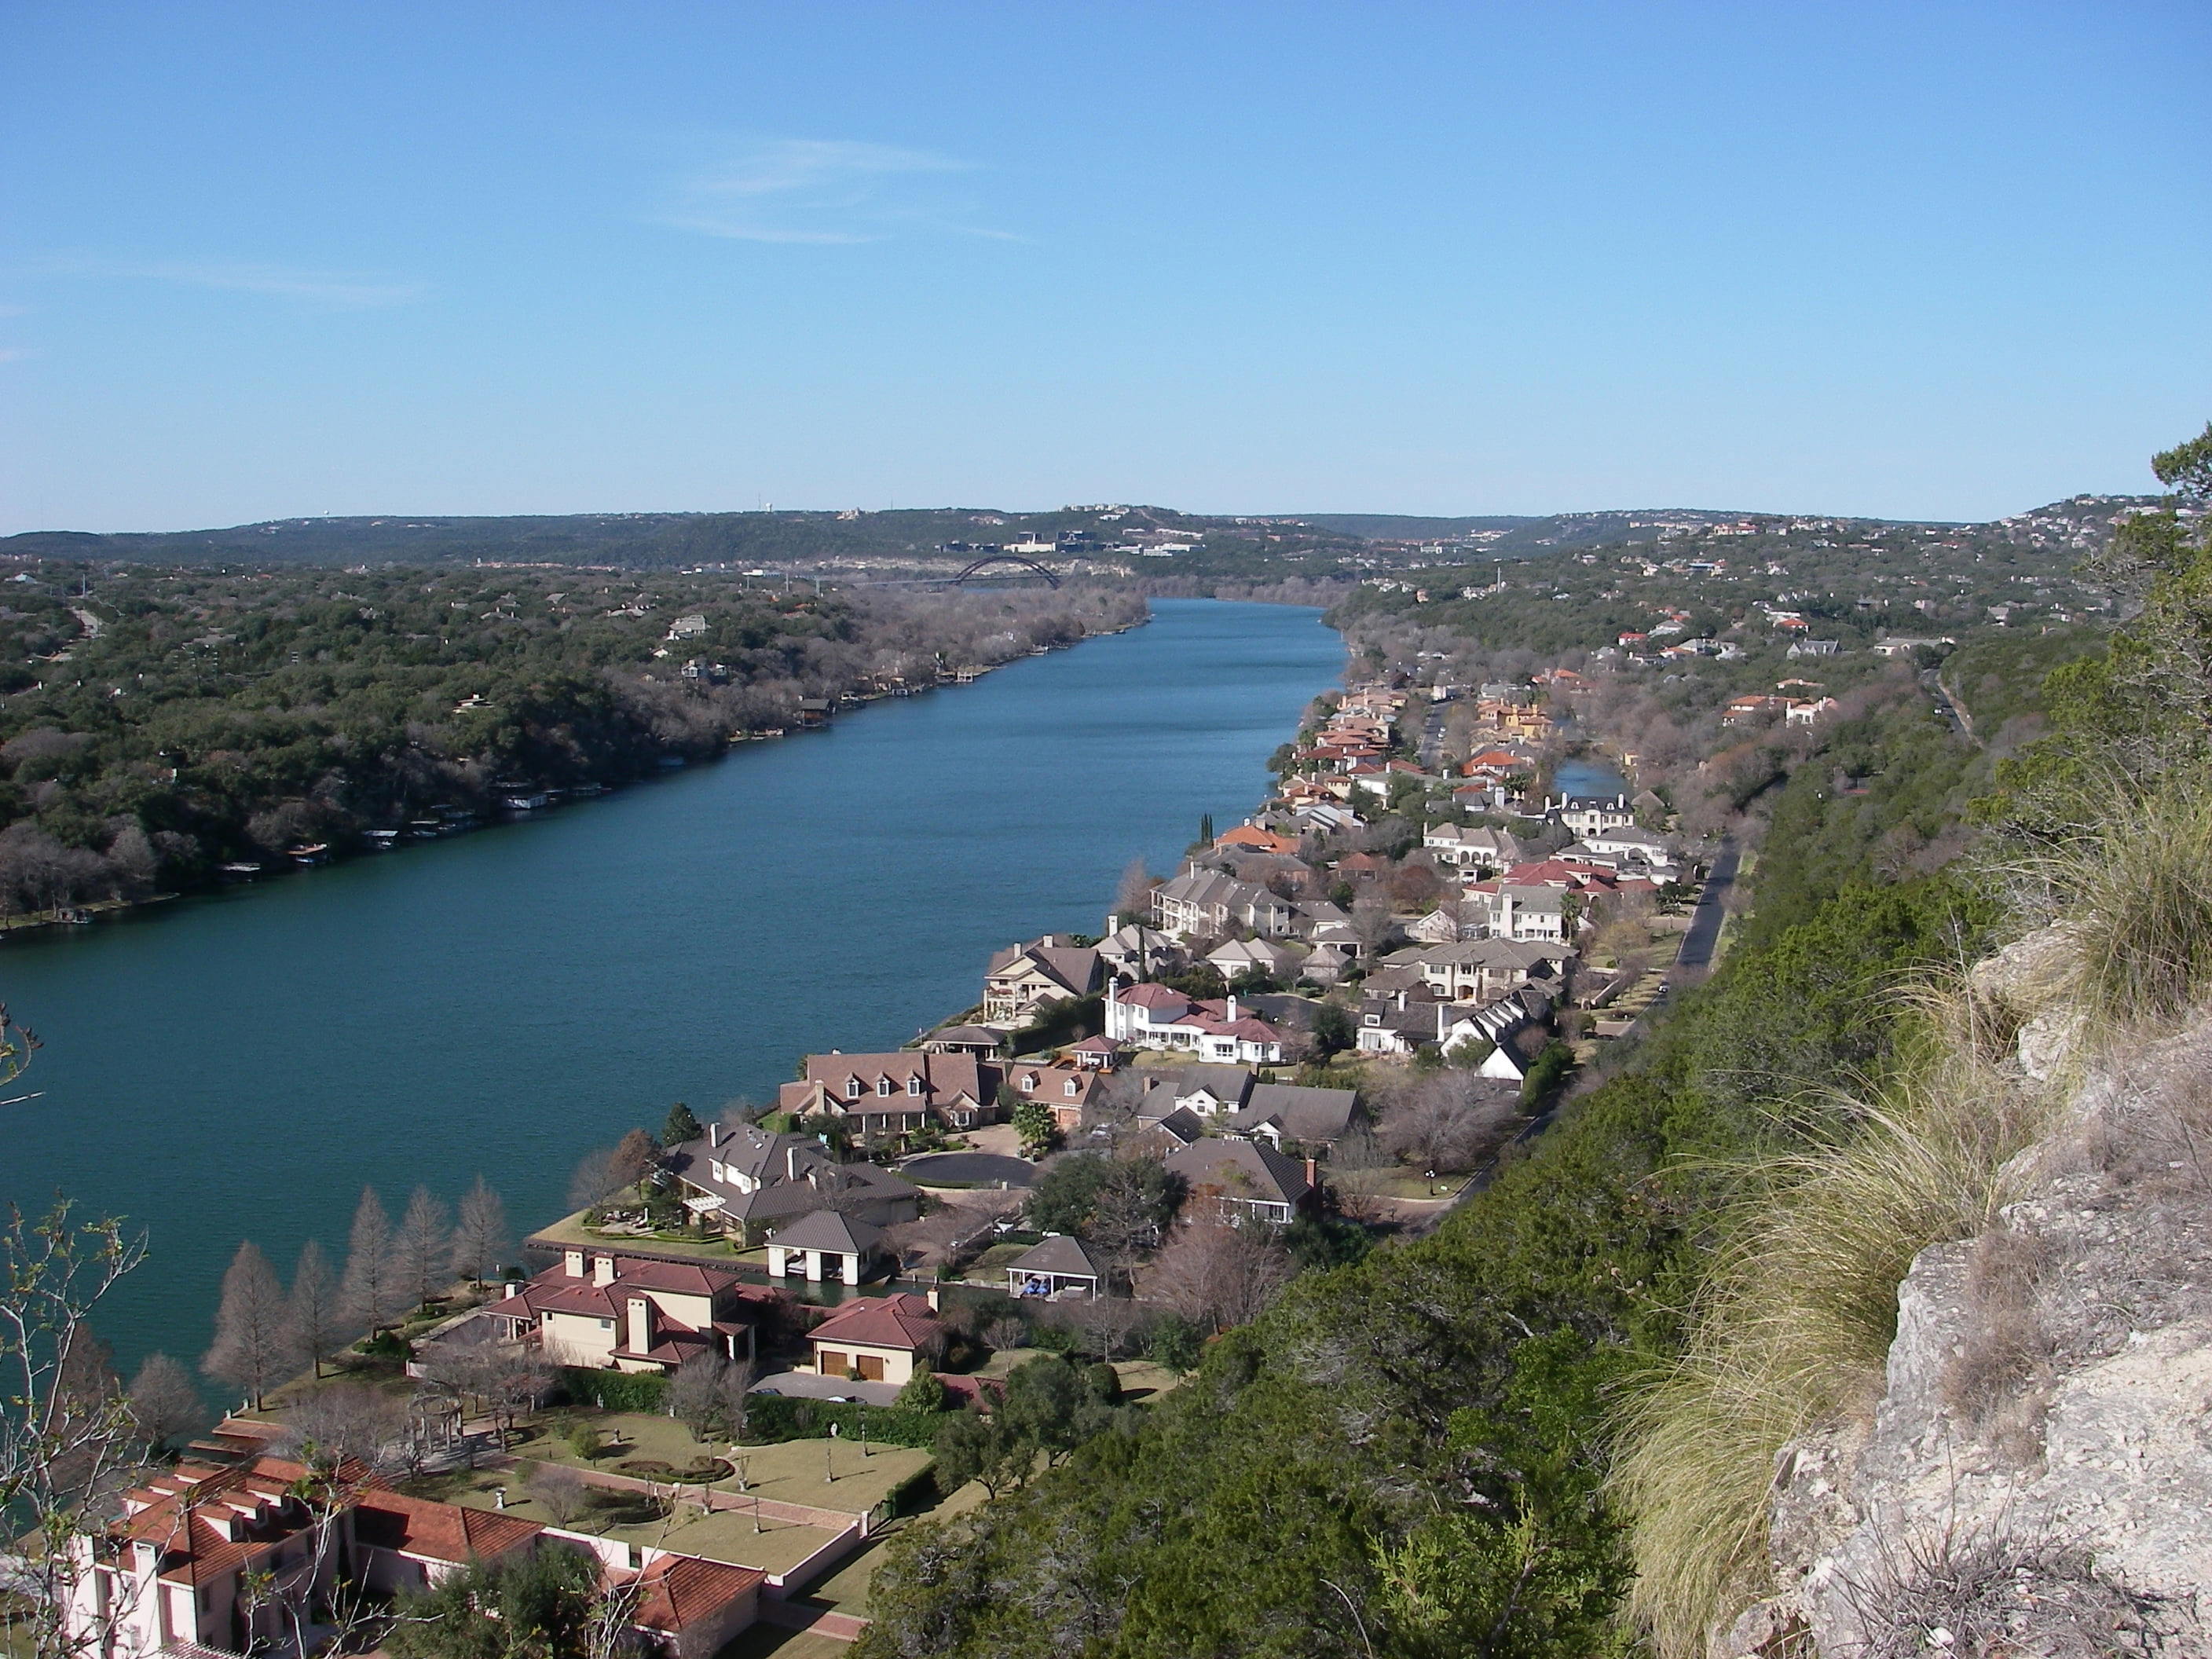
(770, 1418)
(621, 1391)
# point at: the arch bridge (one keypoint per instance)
(990, 559)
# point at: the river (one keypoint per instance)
(238, 1065)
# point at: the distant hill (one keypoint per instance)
(771, 539)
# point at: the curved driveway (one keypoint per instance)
(968, 1170)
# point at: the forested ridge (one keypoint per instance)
(156, 723)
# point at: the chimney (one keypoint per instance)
(791, 1163)
(603, 1270)
(1313, 1173)
(714, 1133)
(640, 1327)
(1232, 1007)
(574, 1260)
(932, 1298)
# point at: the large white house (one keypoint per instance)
(1154, 1017)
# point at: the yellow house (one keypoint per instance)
(627, 1314)
(885, 1339)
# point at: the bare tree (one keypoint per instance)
(58, 1443)
(254, 1345)
(1371, 922)
(166, 1404)
(515, 1379)
(695, 1393)
(371, 1290)
(1450, 1120)
(346, 1419)
(482, 1238)
(1215, 1274)
(317, 1319)
(595, 1179)
(422, 1246)
(559, 1490)
(633, 1159)
(1133, 898)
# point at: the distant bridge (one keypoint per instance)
(990, 559)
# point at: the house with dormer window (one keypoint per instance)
(882, 1098)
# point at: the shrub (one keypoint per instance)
(774, 1418)
(584, 1440)
(618, 1391)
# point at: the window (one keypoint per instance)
(1068, 1087)
(913, 1085)
(883, 1085)
(852, 1088)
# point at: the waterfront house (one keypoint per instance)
(1586, 816)
(885, 1097)
(1202, 903)
(745, 1180)
(878, 1338)
(1140, 952)
(1066, 1085)
(1022, 980)
(600, 1309)
(1240, 1180)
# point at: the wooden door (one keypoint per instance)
(871, 1367)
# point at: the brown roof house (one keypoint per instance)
(1232, 1180)
(881, 1338)
(625, 1313)
(886, 1097)
(747, 1182)
(1022, 980)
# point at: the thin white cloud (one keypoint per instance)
(822, 191)
(344, 290)
(13, 354)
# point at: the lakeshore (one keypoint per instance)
(497, 1003)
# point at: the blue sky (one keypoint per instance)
(1912, 260)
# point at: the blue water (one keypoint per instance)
(238, 1066)
(1588, 778)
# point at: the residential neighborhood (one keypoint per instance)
(1315, 1031)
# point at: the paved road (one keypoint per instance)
(1696, 956)
(969, 1169)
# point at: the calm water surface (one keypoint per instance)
(238, 1066)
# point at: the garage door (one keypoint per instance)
(833, 1364)
(871, 1367)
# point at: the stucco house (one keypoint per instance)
(601, 1309)
(170, 1575)
(885, 1339)
(1276, 1112)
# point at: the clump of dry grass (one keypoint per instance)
(1798, 1315)
(1995, 1595)
(2006, 1350)
(2131, 898)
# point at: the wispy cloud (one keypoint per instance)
(346, 290)
(823, 192)
(13, 354)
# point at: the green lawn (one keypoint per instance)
(767, 1641)
(571, 1231)
(790, 1471)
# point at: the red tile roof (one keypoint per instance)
(904, 1320)
(675, 1591)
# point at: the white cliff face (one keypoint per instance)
(2037, 1477)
